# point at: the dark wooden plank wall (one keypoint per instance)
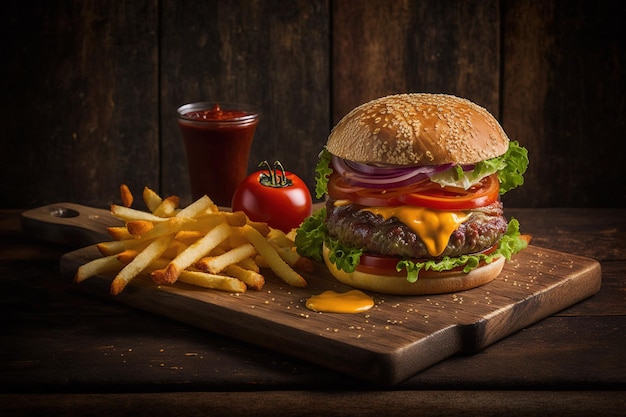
(90, 88)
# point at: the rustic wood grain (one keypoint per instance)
(90, 89)
(68, 224)
(80, 81)
(383, 48)
(430, 403)
(562, 230)
(59, 344)
(563, 100)
(399, 337)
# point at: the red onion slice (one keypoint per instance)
(375, 170)
(370, 176)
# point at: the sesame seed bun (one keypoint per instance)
(418, 129)
(429, 282)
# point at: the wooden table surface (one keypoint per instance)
(70, 354)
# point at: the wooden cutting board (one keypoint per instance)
(398, 337)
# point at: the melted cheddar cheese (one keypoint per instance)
(434, 227)
(353, 301)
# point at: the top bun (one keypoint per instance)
(418, 129)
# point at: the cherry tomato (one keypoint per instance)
(275, 196)
(422, 194)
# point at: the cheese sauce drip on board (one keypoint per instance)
(432, 226)
(353, 301)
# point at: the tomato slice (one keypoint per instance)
(422, 194)
(386, 265)
(447, 198)
(379, 265)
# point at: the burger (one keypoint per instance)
(412, 184)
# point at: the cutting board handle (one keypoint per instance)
(68, 224)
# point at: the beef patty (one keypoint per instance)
(359, 228)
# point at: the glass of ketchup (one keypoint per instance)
(217, 139)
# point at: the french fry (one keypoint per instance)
(261, 227)
(168, 207)
(198, 244)
(249, 264)
(235, 218)
(107, 264)
(251, 278)
(139, 227)
(119, 233)
(128, 214)
(191, 255)
(292, 235)
(139, 263)
(170, 226)
(261, 262)
(279, 238)
(152, 199)
(125, 257)
(275, 262)
(126, 195)
(215, 264)
(188, 236)
(111, 248)
(201, 279)
(284, 245)
(293, 258)
(218, 282)
(203, 224)
(202, 205)
(116, 246)
(175, 249)
(237, 238)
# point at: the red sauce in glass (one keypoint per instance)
(218, 144)
(216, 113)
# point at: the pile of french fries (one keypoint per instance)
(198, 244)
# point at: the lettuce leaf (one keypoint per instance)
(345, 258)
(311, 234)
(510, 168)
(322, 171)
(516, 162)
(510, 244)
(310, 239)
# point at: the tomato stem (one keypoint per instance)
(272, 178)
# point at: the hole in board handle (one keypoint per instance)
(63, 212)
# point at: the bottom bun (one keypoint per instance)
(429, 282)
